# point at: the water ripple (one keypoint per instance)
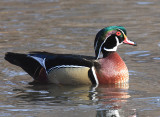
(12, 73)
(145, 3)
(136, 52)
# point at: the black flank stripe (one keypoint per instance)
(91, 76)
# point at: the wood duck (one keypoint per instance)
(71, 69)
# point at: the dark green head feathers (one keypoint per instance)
(109, 38)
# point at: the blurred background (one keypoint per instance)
(70, 27)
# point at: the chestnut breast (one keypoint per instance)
(112, 70)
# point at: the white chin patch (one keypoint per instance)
(113, 49)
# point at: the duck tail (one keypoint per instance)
(30, 65)
(15, 58)
(22, 60)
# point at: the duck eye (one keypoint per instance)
(118, 33)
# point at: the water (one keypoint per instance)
(70, 27)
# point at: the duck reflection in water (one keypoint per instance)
(108, 101)
(112, 98)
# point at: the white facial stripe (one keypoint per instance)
(64, 66)
(101, 46)
(117, 40)
(96, 44)
(123, 34)
(121, 31)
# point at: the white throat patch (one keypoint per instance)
(115, 48)
(106, 49)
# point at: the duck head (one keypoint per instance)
(109, 38)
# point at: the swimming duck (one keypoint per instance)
(71, 69)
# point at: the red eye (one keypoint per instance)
(118, 33)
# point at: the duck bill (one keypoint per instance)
(127, 41)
